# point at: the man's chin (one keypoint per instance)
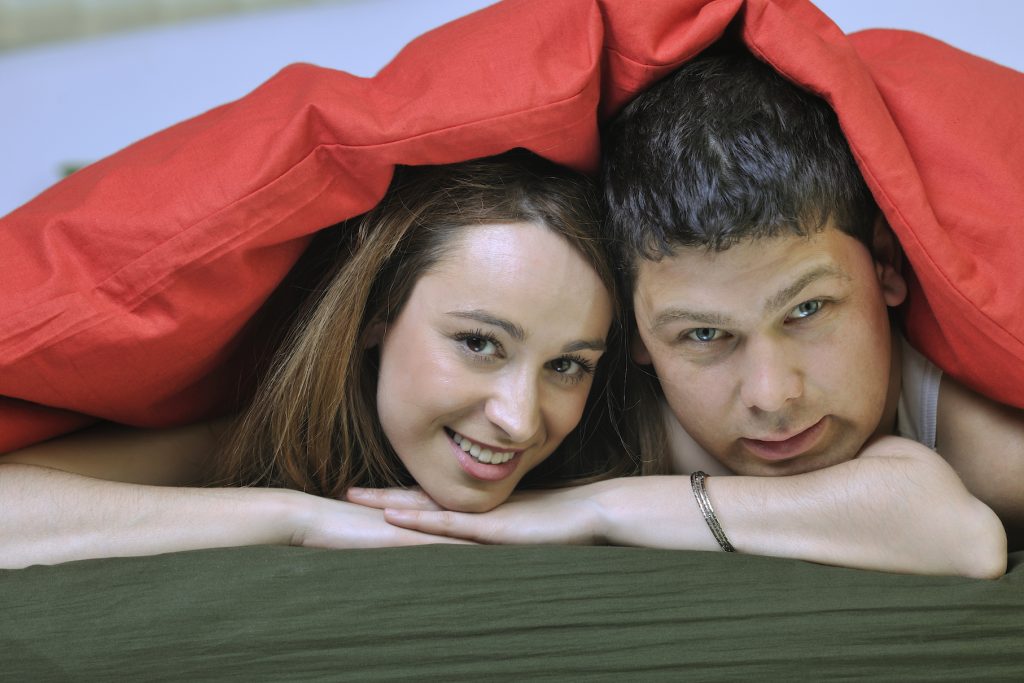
(818, 459)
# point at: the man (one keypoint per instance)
(764, 279)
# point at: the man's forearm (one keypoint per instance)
(898, 507)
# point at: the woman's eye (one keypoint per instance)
(572, 368)
(704, 334)
(480, 345)
(806, 309)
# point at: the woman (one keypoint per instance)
(453, 346)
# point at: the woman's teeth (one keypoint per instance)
(484, 455)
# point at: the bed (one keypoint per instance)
(501, 613)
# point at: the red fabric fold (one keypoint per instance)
(128, 286)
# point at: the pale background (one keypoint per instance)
(80, 79)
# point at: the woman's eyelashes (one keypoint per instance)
(480, 345)
(572, 369)
(483, 347)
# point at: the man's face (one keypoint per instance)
(775, 354)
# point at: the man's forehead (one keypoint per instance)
(700, 265)
(771, 254)
(763, 273)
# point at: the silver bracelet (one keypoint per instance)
(701, 494)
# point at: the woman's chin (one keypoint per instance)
(469, 500)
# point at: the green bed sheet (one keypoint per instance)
(459, 613)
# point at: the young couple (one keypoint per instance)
(469, 339)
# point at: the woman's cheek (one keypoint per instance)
(566, 413)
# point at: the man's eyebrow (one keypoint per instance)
(513, 330)
(671, 315)
(776, 301)
(785, 295)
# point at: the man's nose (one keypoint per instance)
(770, 376)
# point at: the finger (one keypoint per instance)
(412, 499)
(440, 523)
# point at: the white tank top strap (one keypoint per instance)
(919, 398)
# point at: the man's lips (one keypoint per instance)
(790, 447)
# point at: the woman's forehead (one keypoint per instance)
(524, 271)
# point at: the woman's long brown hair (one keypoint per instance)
(313, 423)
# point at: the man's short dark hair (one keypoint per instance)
(725, 150)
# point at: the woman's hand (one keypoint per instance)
(565, 516)
(325, 523)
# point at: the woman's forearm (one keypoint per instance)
(49, 516)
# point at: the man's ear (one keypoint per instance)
(638, 350)
(888, 257)
(373, 335)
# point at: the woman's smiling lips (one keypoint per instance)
(487, 463)
(790, 447)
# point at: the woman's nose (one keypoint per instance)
(514, 406)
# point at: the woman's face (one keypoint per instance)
(488, 366)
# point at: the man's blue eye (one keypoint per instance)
(704, 334)
(806, 309)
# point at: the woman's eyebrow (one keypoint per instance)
(480, 316)
(519, 334)
(585, 345)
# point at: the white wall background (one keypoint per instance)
(78, 101)
(28, 22)
(990, 28)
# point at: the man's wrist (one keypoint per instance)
(614, 511)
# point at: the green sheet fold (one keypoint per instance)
(463, 613)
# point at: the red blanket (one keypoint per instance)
(128, 286)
